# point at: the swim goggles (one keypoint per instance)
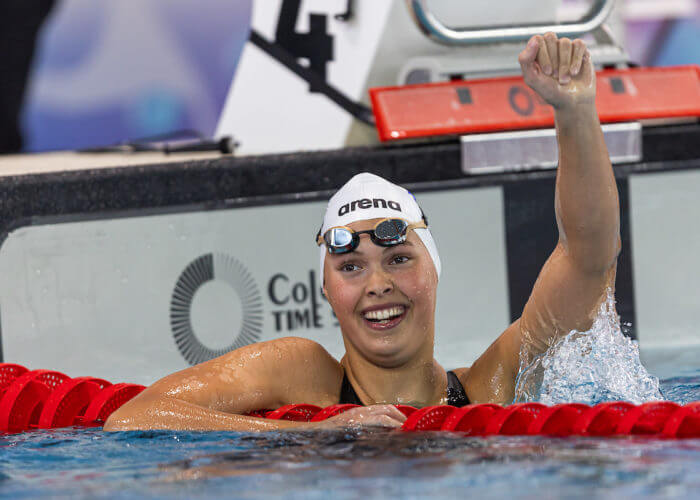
(386, 233)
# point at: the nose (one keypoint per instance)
(379, 284)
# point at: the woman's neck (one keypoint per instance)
(419, 382)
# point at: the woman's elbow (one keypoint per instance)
(118, 422)
(131, 416)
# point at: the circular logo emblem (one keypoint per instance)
(214, 267)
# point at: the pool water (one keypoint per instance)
(88, 463)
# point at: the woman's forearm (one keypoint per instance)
(170, 413)
(587, 205)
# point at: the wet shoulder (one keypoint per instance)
(289, 348)
(301, 349)
(316, 374)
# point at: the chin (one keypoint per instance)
(391, 348)
(387, 354)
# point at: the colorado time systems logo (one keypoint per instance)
(204, 269)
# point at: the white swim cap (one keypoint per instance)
(368, 196)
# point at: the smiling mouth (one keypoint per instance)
(383, 319)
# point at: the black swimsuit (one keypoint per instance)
(455, 392)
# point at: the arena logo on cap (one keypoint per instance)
(366, 203)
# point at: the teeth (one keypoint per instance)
(387, 313)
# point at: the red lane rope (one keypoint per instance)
(684, 423)
(470, 419)
(9, 372)
(107, 401)
(429, 418)
(21, 404)
(295, 413)
(332, 411)
(616, 418)
(66, 402)
(557, 420)
(602, 419)
(50, 399)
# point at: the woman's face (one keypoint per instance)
(384, 298)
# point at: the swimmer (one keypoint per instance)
(380, 271)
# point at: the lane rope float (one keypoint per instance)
(47, 399)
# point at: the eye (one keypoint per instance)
(348, 267)
(399, 259)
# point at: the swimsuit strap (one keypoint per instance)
(347, 393)
(456, 396)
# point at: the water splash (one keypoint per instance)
(597, 365)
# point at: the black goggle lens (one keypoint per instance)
(390, 232)
(387, 233)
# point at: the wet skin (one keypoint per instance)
(391, 361)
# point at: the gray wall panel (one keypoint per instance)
(666, 242)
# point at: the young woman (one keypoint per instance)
(381, 268)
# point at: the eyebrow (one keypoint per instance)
(405, 243)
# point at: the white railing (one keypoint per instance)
(437, 31)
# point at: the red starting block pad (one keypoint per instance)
(500, 104)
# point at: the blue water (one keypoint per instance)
(87, 463)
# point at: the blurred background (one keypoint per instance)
(82, 73)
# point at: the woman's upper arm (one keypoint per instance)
(564, 298)
(263, 375)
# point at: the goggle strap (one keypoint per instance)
(417, 225)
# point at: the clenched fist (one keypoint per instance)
(559, 70)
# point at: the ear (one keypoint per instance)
(324, 291)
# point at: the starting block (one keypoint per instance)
(506, 126)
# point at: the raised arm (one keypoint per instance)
(573, 281)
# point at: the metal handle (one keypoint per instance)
(440, 33)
